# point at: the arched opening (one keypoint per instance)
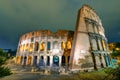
(69, 46)
(100, 57)
(42, 46)
(68, 60)
(35, 61)
(25, 59)
(29, 60)
(63, 60)
(55, 61)
(41, 62)
(48, 60)
(21, 59)
(36, 46)
(63, 45)
(48, 45)
(94, 60)
(26, 47)
(105, 60)
(31, 47)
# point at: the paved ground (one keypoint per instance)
(23, 73)
(34, 76)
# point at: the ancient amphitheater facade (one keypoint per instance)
(83, 49)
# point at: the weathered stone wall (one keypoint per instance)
(39, 48)
(89, 40)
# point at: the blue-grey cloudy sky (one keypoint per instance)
(20, 16)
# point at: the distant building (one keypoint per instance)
(10, 52)
(84, 49)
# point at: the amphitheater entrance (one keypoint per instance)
(21, 59)
(63, 60)
(35, 61)
(55, 61)
(29, 60)
(25, 59)
(41, 62)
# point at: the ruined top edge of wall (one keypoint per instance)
(45, 32)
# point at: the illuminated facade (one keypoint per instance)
(84, 49)
(43, 48)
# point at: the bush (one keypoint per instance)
(2, 60)
(4, 71)
(109, 70)
(116, 74)
(113, 74)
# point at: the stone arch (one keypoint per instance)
(31, 47)
(29, 60)
(63, 60)
(42, 46)
(41, 62)
(35, 61)
(36, 46)
(21, 59)
(94, 60)
(63, 45)
(48, 45)
(55, 61)
(24, 61)
(26, 47)
(69, 45)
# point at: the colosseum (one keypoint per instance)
(85, 48)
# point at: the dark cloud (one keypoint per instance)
(20, 16)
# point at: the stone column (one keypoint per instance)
(98, 63)
(51, 46)
(103, 60)
(38, 60)
(66, 60)
(32, 61)
(60, 61)
(23, 61)
(39, 47)
(45, 60)
(51, 61)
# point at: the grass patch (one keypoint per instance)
(96, 75)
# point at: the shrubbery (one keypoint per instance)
(113, 74)
(4, 71)
(109, 70)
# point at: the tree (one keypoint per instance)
(4, 71)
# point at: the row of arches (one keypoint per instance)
(98, 44)
(101, 60)
(29, 60)
(42, 46)
(93, 27)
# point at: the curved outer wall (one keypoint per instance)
(43, 48)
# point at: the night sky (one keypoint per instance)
(20, 16)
